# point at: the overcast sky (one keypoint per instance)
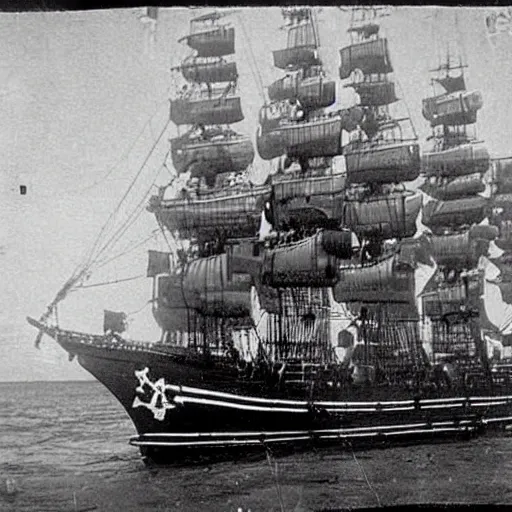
(77, 92)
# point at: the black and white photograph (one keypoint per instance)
(255, 258)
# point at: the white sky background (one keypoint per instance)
(77, 88)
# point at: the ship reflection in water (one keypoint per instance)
(320, 306)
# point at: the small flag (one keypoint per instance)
(114, 321)
(158, 263)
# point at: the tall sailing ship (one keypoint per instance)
(293, 311)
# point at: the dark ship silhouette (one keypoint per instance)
(300, 311)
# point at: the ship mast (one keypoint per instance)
(381, 155)
(295, 124)
(208, 104)
(454, 168)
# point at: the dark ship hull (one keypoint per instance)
(178, 399)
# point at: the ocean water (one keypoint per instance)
(64, 447)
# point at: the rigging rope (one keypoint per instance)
(314, 24)
(131, 313)
(132, 218)
(407, 108)
(252, 62)
(105, 283)
(128, 249)
(130, 221)
(81, 270)
(92, 256)
(127, 151)
(462, 46)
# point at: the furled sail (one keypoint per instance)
(213, 288)
(456, 161)
(208, 38)
(386, 216)
(317, 137)
(213, 43)
(307, 201)
(369, 56)
(301, 49)
(459, 251)
(367, 30)
(311, 262)
(221, 109)
(208, 70)
(374, 162)
(312, 92)
(439, 215)
(461, 186)
(291, 188)
(209, 152)
(388, 280)
(458, 108)
(375, 93)
(169, 307)
(234, 212)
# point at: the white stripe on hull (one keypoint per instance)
(300, 432)
(244, 438)
(199, 396)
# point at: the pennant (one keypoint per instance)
(149, 19)
(114, 321)
(158, 263)
(150, 15)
